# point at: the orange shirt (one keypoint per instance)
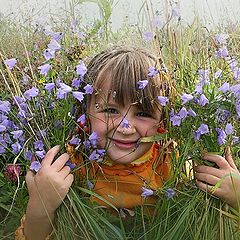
(121, 184)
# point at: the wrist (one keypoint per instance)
(36, 210)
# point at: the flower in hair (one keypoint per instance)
(142, 84)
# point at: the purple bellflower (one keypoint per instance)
(203, 129)
(81, 69)
(44, 69)
(35, 166)
(93, 138)
(146, 192)
(148, 36)
(186, 98)
(33, 92)
(170, 193)
(125, 123)
(162, 100)
(142, 84)
(88, 89)
(78, 95)
(10, 62)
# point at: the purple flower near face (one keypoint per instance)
(81, 69)
(224, 88)
(41, 154)
(229, 129)
(203, 129)
(170, 193)
(44, 69)
(28, 155)
(88, 89)
(16, 147)
(82, 119)
(49, 86)
(54, 45)
(142, 84)
(162, 100)
(152, 71)
(146, 192)
(192, 113)
(10, 62)
(76, 83)
(221, 136)
(33, 92)
(48, 54)
(2, 128)
(148, 36)
(222, 52)
(78, 95)
(221, 38)
(87, 144)
(35, 166)
(186, 98)
(71, 165)
(176, 120)
(183, 113)
(125, 123)
(203, 100)
(75, 141)
(17, 134)
(5, 107)
(93, 138)
(97, 155)
(38, 145)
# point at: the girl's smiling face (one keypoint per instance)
(121, 143)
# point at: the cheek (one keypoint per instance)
(149, 129)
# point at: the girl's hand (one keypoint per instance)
(50, 185)
(227, 175)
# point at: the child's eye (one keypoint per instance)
(144, 114)
(111, 110)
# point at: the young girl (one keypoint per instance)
(123, 109)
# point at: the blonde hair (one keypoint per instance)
(124, 66)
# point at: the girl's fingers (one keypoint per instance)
(229, 158)
(65, 171)
(209, 170)
(208, 178)
(208, 188)
(60, 162)
(69, 180)
(48, 159)
(219, 160)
